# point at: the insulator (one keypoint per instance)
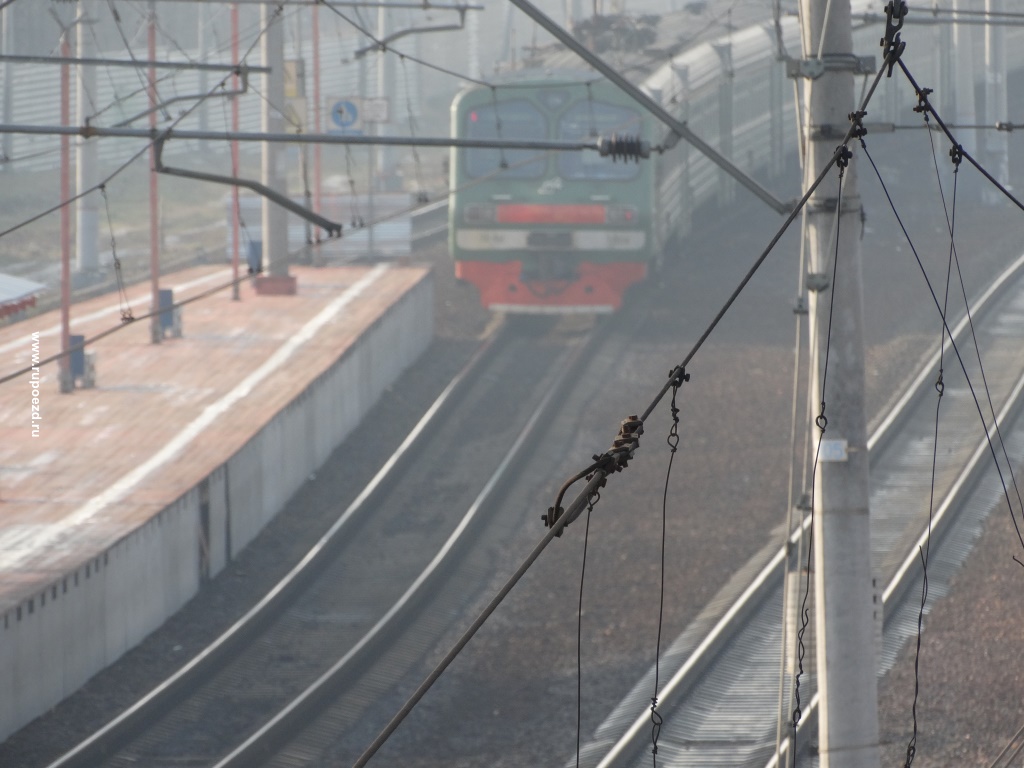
(625, 146)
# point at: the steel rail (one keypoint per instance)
(105, 741)
(305, 706)
(943, 521)
(770, 576)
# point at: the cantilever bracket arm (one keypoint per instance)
(332, 228)
(382, 45)
(243, 74)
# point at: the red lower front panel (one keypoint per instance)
(597, 287)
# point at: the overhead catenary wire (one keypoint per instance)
(117, 171)
(596, 474)
(922, 94)
(821, 422)
(579, 635)
(593, 487)
(386, 47)
(956, 349)
(925, 551)
(131, 54)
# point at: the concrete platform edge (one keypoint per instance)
(57, 638)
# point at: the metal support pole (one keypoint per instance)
(964, 78)
(67, 384)
(7, 46)
(155, 331)
(317, 117)
(844, 590)
(235, 219)
(371, 165)
(382, 92)
(202, 19)
(997, 156)
(275, 220)
(86, 174)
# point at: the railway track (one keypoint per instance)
(375, 592)
(722, 694)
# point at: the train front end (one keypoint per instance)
(540, 231)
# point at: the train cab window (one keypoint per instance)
(586, 120)
(520, 120)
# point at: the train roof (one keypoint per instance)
(637, 44)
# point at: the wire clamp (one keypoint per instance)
(891, 44)
(623, 448)
(676, 378)
(843, 155)
(956, 154)
(857, 118)
(551, 517)
(923, 106)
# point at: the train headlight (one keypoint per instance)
(480, 213)
(623, 214)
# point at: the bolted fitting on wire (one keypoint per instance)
(625, 444)
(923, 107)
(891, 44)
(857, 118)
(551, 517)
(625, 146)
(844, 155)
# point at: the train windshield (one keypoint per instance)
(585, 120)
(519, 120)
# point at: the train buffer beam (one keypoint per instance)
(812, 69)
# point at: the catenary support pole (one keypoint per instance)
(844, 592)
(997, 156)
(318, 185)
(964, 78)
(202, 39)
(67, 384)
(86, 174)
(7, 46)
(275, 219)
(155, 331)
(235, 216)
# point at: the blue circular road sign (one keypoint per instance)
(344, 114)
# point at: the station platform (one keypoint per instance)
(118, 501)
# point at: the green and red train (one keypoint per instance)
(550, 231)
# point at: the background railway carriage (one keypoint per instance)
(546, 231)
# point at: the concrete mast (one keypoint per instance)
(844, 592)
(996, 147)
(7, 116)
(275, 219)
(86, 174)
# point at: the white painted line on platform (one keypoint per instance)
(114, 309)
(49, 534)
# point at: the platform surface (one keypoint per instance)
(161, 416)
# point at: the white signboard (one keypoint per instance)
(376, 110)
(832, 450)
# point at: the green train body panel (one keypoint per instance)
(568, 181)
